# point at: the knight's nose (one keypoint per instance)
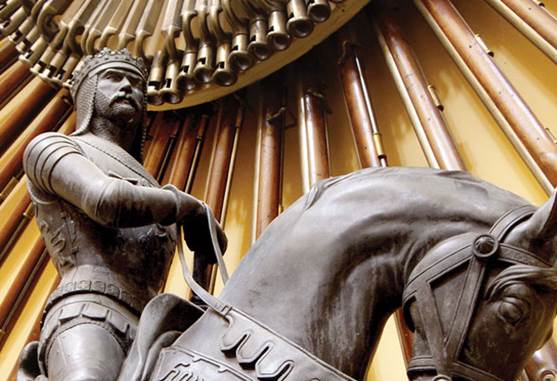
(125, 85)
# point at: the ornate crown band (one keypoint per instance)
(106, 59)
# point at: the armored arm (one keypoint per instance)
(55, 165)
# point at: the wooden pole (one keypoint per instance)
(530, 138)
(270, 133)
(358, 101)
(533, 20)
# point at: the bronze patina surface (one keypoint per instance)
(473, 264)
(107, 224)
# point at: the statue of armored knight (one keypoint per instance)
(107, 224)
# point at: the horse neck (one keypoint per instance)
(329, 279)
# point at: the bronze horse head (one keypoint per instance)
(473, 264)
(482, 303)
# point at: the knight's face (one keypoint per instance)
(119, 96)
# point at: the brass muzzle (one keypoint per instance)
(34, 53)
(156, 74)
(28, 40)
(278, 35)
(10, 25)
(186, 79)
(19, 34)
(319, 10)
(63, 75)
(240, 58)
(204, 66)
(299, 24)
(224, 74)
(258, 45)
(170, 90)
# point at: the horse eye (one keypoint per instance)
(511, 311)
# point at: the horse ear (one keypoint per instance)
(543, 224)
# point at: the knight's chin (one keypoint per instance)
(126, 113)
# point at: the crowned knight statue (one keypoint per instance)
(107, 224)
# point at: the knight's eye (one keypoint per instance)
(512, 310)
(116, 77)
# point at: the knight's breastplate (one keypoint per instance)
(127, 264)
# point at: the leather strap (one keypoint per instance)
(477, 251)
(211, 301)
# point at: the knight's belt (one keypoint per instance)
(248, 351)
(86, 280)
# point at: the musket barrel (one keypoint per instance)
(532, 20)
(191, 134)
(358, 103)
(271, 125)
(157, 146)
(21, 268)
(50, 117)
(12, 79)
(415, 91)
(30, 328)
(8, 52)
(220, 169)
(531, 139)
(22, 108)
(222, 154)
(312, 122)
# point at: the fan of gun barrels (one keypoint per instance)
(198, 50)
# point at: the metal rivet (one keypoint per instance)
(485, 246)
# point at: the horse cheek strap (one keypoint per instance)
(479, 251)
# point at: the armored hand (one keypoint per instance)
(192, 215)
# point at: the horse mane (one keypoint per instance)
(543, 279)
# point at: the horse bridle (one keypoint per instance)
(480, 251)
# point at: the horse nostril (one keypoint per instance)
(549, 376)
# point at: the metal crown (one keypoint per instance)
(110, 58)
